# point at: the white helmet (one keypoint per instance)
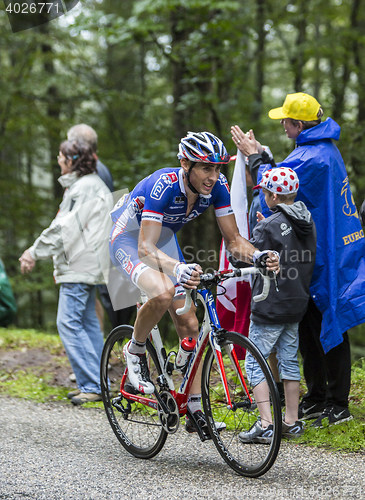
(203, 147)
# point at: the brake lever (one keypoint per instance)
(275, 281)
(194, 297)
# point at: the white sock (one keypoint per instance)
(194, 402)
(136, 347)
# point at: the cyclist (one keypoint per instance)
(143, 245)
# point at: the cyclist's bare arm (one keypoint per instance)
(238, 246)
(149, 253)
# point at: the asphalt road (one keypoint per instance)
(53, 451)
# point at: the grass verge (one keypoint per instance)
(32, 378)
(34, 366)
(349, 436)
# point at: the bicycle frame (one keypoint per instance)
(209, 329)
(210, 324)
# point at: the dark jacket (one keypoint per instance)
(105, 175)
(291, 232)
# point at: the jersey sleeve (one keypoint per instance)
(222, 197)
(158, 194)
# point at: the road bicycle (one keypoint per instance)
(142, 422)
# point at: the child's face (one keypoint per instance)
(270, 198)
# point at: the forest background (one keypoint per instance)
(143, 73)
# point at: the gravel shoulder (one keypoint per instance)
(56, 451)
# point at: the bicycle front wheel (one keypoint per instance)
(137, 426)
(246, 456)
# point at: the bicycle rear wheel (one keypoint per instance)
(248, 459)
(137, 426)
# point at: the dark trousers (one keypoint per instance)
(328, 376)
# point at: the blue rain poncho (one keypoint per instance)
(338, 282)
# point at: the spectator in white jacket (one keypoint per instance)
(77, 239)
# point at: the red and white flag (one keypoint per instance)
(234, 306)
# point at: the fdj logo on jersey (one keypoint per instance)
(136, 206)
(162, 184)
(192, 216)
(124, 260)
(223, 181)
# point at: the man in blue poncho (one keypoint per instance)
(337, 300)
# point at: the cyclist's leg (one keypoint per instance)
(160, 292)
(159, 289)
(157, 286)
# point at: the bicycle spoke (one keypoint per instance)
(138, 429)
(248, 458)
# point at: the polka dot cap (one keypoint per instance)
(280, 180)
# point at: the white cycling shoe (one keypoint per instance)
(138, 373)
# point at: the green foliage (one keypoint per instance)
(27, 339)
(142, 73)
(349, 436)
(34, 383)
(356, 336)
(26, 385)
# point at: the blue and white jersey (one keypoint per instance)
(161, 197)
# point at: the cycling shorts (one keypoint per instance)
(124, 254)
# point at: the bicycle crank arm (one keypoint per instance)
(162, 404)
(203, 436)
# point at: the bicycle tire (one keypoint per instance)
(247, 459)
(140, 431)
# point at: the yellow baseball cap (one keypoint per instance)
(298, 106)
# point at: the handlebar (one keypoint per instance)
(210, 279)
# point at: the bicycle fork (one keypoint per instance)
(234, 360)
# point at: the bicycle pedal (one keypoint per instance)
(194, 424)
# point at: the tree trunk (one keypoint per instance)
(260, 63)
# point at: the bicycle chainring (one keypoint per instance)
(171, 422)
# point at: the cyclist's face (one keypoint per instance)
(204, 176)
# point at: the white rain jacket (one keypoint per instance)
(77, 238)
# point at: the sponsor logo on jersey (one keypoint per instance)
(124, 260)
(223, 181)
(203, 202)
(192, 216)
(149, 215)
(164, 182)
(173, 218)
(222, 211)
(136, 206)
(121, 201)
(179, 200)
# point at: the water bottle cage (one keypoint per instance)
(184, 367)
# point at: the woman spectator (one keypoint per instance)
(77, 239)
